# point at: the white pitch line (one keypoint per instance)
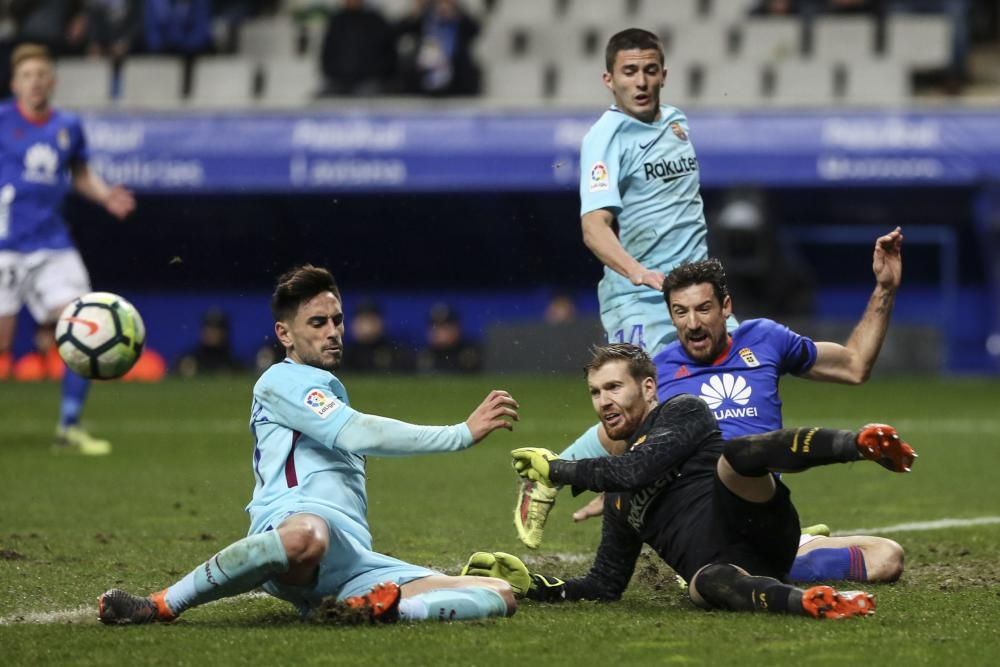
(88, 613)
(920, 526)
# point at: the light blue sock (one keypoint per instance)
(74, 394)
(587, 446)
(239, 568)
(453, 604)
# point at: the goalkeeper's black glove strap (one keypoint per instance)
(546, 589)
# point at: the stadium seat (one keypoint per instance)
(770, 40)
(152, 82)
(731, 84)
(698, 40)
(393, 10)
(272, 37)
(290, 83)
(579, 84)
(519, 83)
(222, 82)
(522, 12)
(83, 83)
(729, 11)
(843, 38)
(654, 14)
(596, 12)
(882, 83)
(920, 41)
(802, 83)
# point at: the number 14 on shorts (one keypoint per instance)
(634, 337)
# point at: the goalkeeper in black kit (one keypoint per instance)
(711, 508)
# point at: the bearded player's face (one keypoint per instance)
(700, 320)
(621, 401)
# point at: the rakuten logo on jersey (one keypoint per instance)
(728, 389)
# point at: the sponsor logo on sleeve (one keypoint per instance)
(747, 355)
(599, 181)
(321, 404)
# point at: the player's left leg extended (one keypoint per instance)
(291, 553)
(854, 558)
(794, 450)
(444, 598)
(725, 586)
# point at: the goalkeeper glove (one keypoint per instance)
(533, 463)
(513, 570)
(502, 566)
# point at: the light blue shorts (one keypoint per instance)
(644, 321)
(349, 567)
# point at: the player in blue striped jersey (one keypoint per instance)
(43, 155)
(309, 541)
(737, 373)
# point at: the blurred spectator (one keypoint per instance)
(447, 350)
(561, 309)
(214, 353)
(58, 24)
(180, 27)
(229, 14)
(368, 347)
(435, 50)
(113, 27)
(268, 354)
(357, 56)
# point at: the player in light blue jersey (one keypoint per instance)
(309, 541)
(43, 155)
(737, 374)
(641, 213)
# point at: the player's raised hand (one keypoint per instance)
(498, 410)
(887, 260)
(594, 508)
(120, 202)
(533, 463)
(649, 278)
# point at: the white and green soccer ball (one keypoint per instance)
(100, 335)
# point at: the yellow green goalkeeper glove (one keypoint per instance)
(502, 566)
(533, 463)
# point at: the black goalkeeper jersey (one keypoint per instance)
(670, 465)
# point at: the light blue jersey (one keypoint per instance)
(310, 447)
(646, 174)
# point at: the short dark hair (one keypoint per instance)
(640, 366)
(628, 39)
(297, 286)
(696, 273)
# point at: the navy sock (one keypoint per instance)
(828, 564)
(74, 394)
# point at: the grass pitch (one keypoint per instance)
(174, 490)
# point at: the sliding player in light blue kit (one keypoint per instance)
(642, 215)
(309, 541)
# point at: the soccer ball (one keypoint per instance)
(100, 335)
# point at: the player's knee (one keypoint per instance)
(711, 587)
(305, 542)
(883, 560)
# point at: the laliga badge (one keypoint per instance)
(321, 404)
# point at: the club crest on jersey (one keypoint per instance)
(321, 404)
(678, 131)
(41, 162)
(62, 139)
(746, 354)
(599, 180)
